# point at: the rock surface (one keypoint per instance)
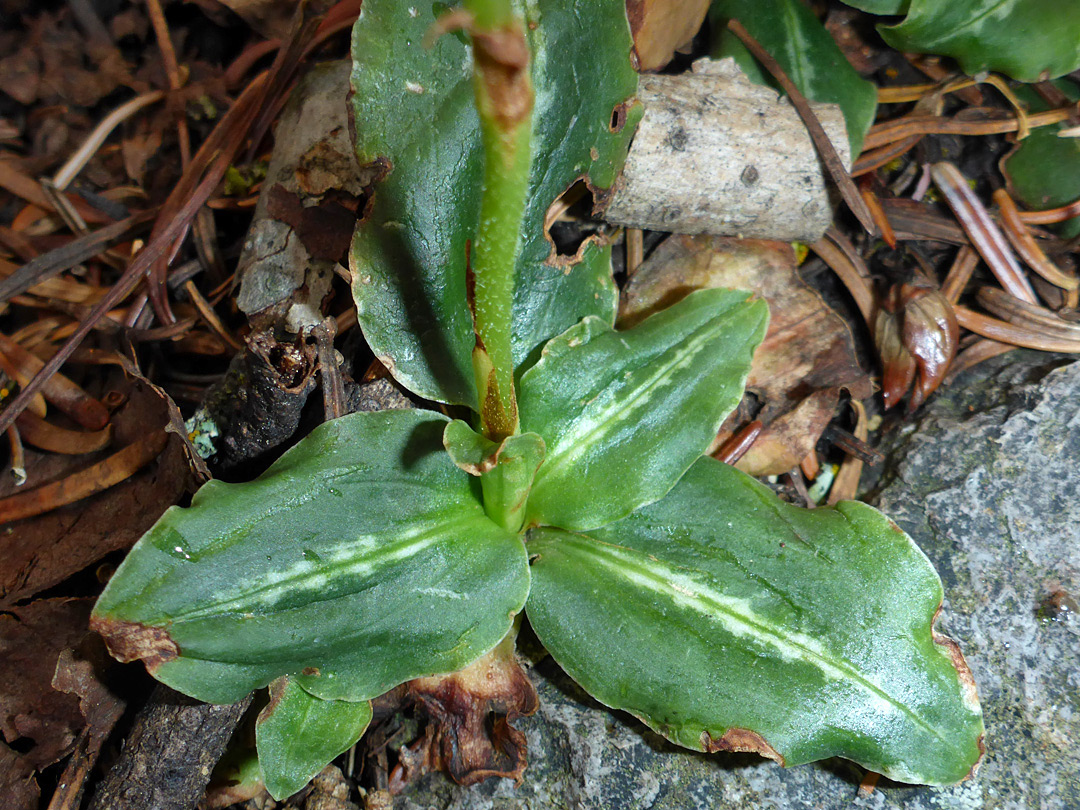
(986, 481)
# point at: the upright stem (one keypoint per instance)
(504, 100)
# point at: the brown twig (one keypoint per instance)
(846, 484)
(1052, 215)
(47, 436)
(101, 476)
(981, 229)
(735, 447)
(967, 259)
(836, 251)
(1029, 250)
(824, 146)
(890, 131)
(1005, 332)
(72, 253)
(982, 349)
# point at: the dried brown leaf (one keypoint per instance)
(31, 640)
(470, 735)
(660, 27)
(43, 551)
(17, 783)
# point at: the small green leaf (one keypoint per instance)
(624, 414)
(414, 111)
(1044, 170)
(729, 620)
(506, 469)
(361, 559)
(298, 735)
(1028, 40)
(806, 51)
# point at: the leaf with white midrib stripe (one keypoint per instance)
(624, 414)
(702, 613)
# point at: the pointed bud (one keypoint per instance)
(898, 366)
(931, 334)
(916, 333)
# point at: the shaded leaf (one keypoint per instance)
(880, 6)
(807, 52)
(799, 634)
(1043, 170)
(298, 734)
(625, 414)
(415, 114)
(360, 559)
(1029, 40)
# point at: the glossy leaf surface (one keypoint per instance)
(625, 414)
(414, 112)
(360, 559)
(807, 52)
(729, 620)
(1021, 38)
(298, 735)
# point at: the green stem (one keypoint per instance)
(504, 101)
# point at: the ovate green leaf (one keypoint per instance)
(1044, 170)
(415, 116)
(729, 620)
(1025, 39)
(805, 50)
(298, 735)
(624, 414)
(362, 558)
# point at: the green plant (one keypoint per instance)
(393, 545)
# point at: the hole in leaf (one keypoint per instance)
(569, 223)
(618, 116)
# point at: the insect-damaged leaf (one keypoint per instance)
(298, 734)
(1029, 40)
(624, 414)
(414, 111)
(729, 620)
(362, 558)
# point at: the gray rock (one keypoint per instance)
(986, 482)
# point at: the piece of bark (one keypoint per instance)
(169, 754)
(312, 192)
(259, 403)
(717, 154)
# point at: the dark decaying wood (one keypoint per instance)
(169, 754)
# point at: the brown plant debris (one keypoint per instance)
(470, 734)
